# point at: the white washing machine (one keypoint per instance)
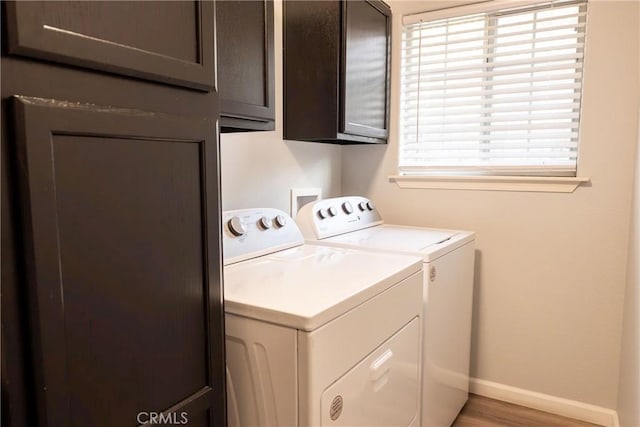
(317, 335)
(448, 255)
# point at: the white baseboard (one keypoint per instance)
(544, 402)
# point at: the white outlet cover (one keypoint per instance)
(302, 196)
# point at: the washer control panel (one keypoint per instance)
(249, 233)
(329, 217)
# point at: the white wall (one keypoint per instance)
(550, 267)
(629, 386)
(259, 168)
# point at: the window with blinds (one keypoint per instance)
(493, 93)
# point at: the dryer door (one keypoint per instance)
(381, 390)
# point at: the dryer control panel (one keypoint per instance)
(330, 217)
(249, 233)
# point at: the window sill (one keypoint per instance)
(492, 183)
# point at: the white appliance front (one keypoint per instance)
(448, 257)
(381, 390)
(316, 335)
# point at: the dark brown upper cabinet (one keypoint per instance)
(336, 71)
(168, 42)
(246, 65)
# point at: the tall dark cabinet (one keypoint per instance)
(112, 306)
(336, 71)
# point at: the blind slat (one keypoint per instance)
(493, 65)
(497, 119)
(502, 155)
(444, 84)
(512, 100)
(412, 65)
(498, 145)
(521, 136)
(495, 129)
(528, 69)
(486, 92)
(410, 110)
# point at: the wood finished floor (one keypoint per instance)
(484, 412)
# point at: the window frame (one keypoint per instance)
(511, 178)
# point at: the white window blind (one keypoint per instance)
(493, 93)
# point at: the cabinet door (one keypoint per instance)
(365, 69)
(246, 64)
(122, 253)
(169, 42)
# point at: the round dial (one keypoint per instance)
(322, 213)
(333, 211)
(264, 223)
(370, 205)
(280, 221)
(362, 206)
(347, 208)
(236, 226)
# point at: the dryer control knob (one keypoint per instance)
(264, 223)
(370, 205)
(347, 208)
(322, 213)
(236, 226)
(362, 206)
(280, 221)
(333, 211)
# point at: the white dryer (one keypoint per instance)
(317, 335)
(448, 255)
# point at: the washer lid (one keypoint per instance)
(307, 286)
(429, 243)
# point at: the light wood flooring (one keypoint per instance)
(484, 412)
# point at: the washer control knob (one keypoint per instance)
(264, 223)
(236, 226)
(370, 205)
(362, 206)
(333, 211)
(347, 208)
(280, 221)
(322, 213)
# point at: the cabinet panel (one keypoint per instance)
(246, 64)
(169, 42)
(121, 223)
(311, 38)
(366, 70)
